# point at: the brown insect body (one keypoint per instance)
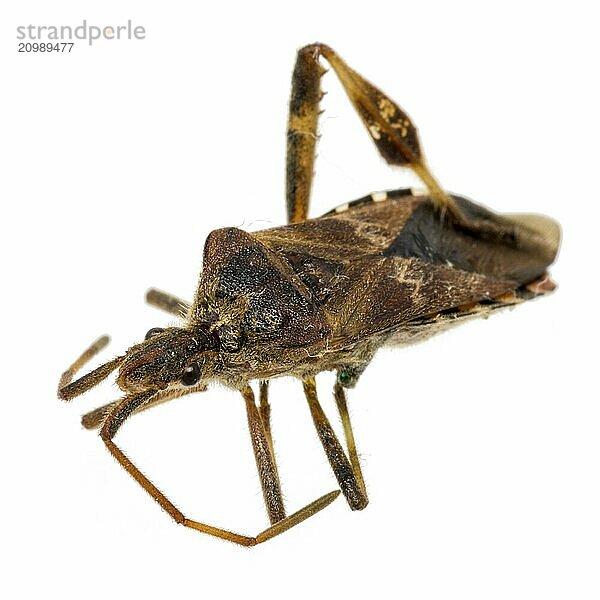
(324, 294)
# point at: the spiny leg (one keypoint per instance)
(167, 302)
(302, 134)
(389, 126)
(350, 482)
(265, 459)
(113, 422)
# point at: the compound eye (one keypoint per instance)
(191, 375)
(152, 332)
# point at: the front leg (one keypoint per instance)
(265, 459)
(135, 402)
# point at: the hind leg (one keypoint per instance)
(389, 126)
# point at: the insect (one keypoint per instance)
(322, 294)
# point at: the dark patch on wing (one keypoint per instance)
(486, 243)
(426, 237)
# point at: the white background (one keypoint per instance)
(480, 448)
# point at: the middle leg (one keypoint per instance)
(348, 475)
(340, 399)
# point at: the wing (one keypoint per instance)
(390, 258)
